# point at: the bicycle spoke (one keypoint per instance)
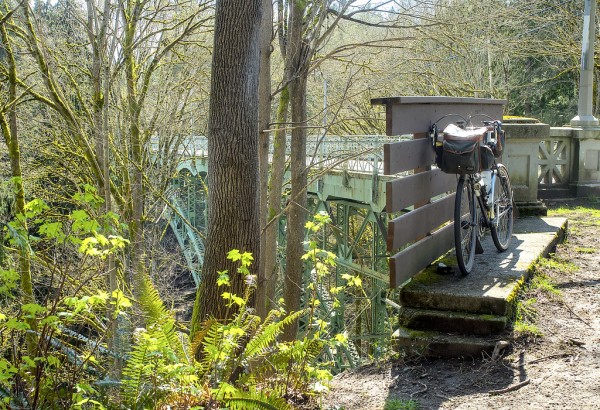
(465, 225)
(503, 219)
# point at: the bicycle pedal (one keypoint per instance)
(478, 247)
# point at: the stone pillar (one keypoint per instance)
(586, 162)
(586, 133)
(521, 156)
(585, 116)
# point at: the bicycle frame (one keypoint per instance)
(495, 207)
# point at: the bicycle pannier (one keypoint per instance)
(460, 156)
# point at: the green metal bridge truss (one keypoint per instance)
(345, 182)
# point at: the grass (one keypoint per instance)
(523, 328)
(580, 249)
(555, 263)
(397, 404)
(585, 215)
(526, 312)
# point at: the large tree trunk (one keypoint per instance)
(264, 118)
(233, 200)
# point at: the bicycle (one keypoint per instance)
(482, 183)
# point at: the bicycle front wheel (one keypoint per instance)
(465, 225)
(502, 221)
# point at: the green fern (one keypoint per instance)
(135, 375)
(256, 401)
(267, 334)
(158, 316)
(160, 359)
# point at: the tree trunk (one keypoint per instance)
(136, 199)
(9, 130)
(264, 118)
(275, 191)
(97, 25)
(233, 179)
(297, 211)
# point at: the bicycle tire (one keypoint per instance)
(465, 226)
(502, 223)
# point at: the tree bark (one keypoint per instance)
(275, 191)
(233, 180)
(297, 211)
(264, 118)
(8, 125)
(131, 17)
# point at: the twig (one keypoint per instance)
(541, 359)
(552, 356)
(576, 342)
(419, 391)
(575, 314)
(510, 388)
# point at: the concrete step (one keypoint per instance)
(438, 344)
(433, 302)
(454, 322)
(556, 193)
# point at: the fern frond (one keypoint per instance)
(159, 318)
(256, 401)
(198, 337)
(151, 303)
(206, 340)
(266, 335)
(134, 374)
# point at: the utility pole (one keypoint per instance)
(584, 116)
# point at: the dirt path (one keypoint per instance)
(553, 364)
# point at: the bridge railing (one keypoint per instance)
(551, 160)
(360, 153)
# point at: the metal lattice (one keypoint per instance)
(351, 192)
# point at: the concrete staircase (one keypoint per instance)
(446, 315)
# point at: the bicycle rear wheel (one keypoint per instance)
(502, 223)
(465, 225)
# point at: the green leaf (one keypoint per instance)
(33, 308)
(52, 230)
(234, 255)
(224, 390)
(223, 278)
(82, 222)
(35, 207)
(28, 362)
(51, 320)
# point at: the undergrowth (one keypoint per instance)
(235, 364)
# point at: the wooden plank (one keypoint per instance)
(410, 261)
(416, 224)
(407, 155)
(416, 114)
(414, 189)
(436, 99)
